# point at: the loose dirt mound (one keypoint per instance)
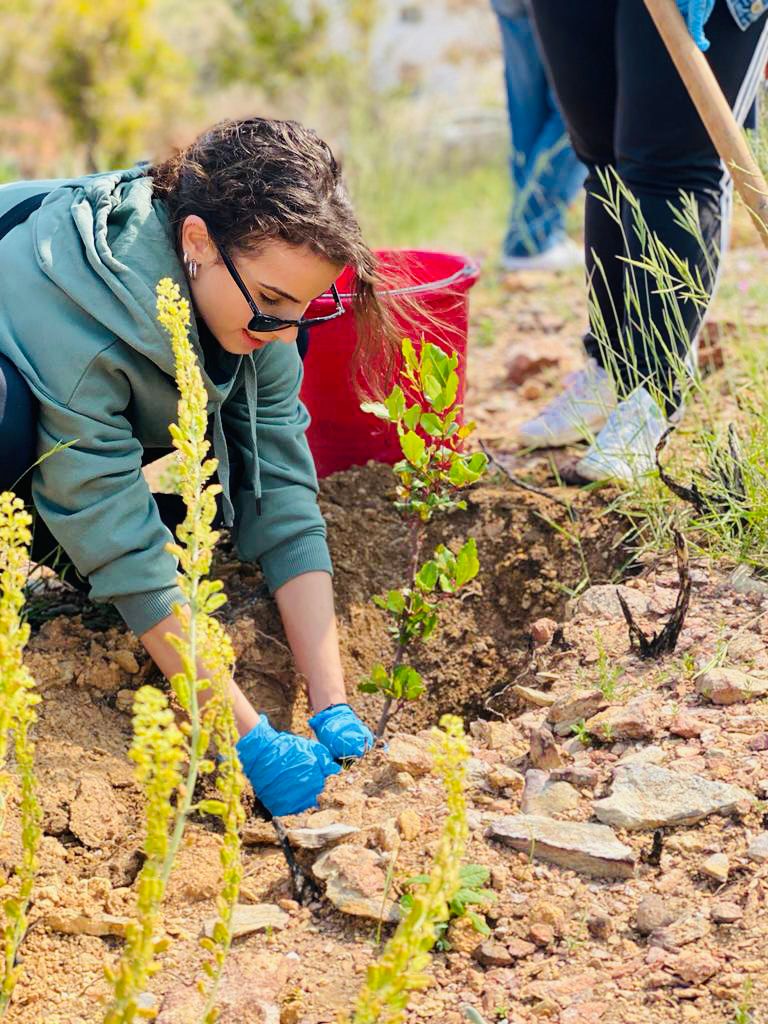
(531, 556)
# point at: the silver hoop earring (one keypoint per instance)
(192, 267)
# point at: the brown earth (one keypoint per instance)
(565, 946)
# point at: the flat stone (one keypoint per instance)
(518, 949)
(251, 917)
(493, 954)
(654, 912)
(590, 849)
(504, 736)
(622, 722)
(758, 848)
(542, 934)
(409, 754)
(688, 929)
(259, 833)
(649, 797)
(726, 912)
(695, 966)
(544, 752)
(645, 755)
(320, 838)
(716, 867)
(687, 725)
(730, 686)
(538, 698)
(567, 711)
(552, 800)
(504, 777)
(602, 602)
(99, 925)
(355, 882)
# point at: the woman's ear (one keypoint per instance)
(196, 242)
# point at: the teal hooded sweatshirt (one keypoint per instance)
(78, 320)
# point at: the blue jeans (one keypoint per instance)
(546, 174)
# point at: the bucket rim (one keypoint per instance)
(470, 268)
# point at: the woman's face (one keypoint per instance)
(282, 280)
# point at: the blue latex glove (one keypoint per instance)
(287, 772)
(696, 13)
(340, 730)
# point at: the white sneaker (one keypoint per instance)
(625, 448)
(562, 255)
(580, 411)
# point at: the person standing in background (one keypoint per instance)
(631, 121)
(546, 174)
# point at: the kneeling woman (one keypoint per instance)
(254, 222)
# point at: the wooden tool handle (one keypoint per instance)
(714, 111)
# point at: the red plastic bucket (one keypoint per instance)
(341, 434)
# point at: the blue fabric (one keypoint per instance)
(287, 772)
(546, 174)
(340, 730)
(696, 13)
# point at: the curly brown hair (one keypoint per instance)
(260, 179)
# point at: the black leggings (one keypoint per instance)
(628, 113)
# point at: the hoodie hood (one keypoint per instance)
(125, 236)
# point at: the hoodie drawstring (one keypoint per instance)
(221, 453)
(220, 446)
(252, 399)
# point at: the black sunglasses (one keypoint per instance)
(263, 322)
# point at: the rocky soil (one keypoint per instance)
(619, 804)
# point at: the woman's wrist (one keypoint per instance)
(324, 693)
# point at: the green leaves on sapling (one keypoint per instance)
(402, 683)
(431, 476)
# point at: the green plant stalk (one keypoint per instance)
(157, 750)
(17, 713)
(159, 744)
(401, 967)
(230, 784)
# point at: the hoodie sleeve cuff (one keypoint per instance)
(305, 553)
(143, 611)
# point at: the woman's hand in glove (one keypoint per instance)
(340, 730)
(287, 772)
